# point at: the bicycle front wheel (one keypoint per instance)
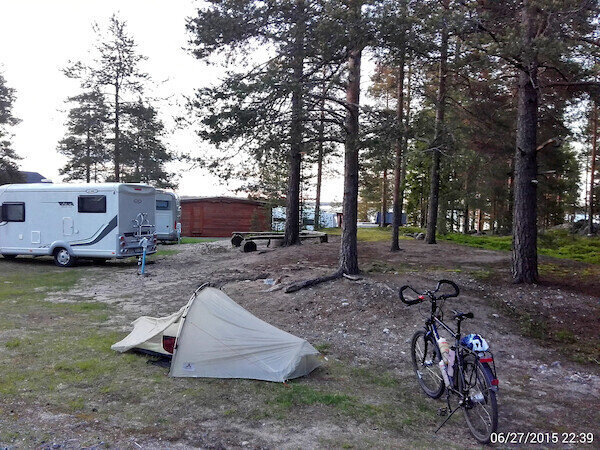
(480, 406)
(426, 357)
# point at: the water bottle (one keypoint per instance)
(444, 348)
(450, 366)
(444, 373)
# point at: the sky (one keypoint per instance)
(37, 40)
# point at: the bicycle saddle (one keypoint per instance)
(461, 315)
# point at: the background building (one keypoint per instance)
(221, 216)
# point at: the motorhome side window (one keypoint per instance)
(162, 205)
(13, 212)
(91, 204)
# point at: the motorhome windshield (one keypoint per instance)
(163, 205)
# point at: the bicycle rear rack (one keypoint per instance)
(488, 358)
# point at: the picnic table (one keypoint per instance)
(246, 239)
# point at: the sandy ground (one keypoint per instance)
(364, 325)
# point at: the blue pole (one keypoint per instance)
(143, 260)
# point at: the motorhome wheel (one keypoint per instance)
(63, 258)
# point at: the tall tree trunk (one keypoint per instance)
(383, 198)
(116, 156)
(422, 213)
(511, 195)
(138, 160)
(493, 217)
(292, 218)
(466, 210)
(586, 206)
(88, 151)
(321, 134)
(442, 225)
(349, 250)
(399, 157)
(434, 192)
(405, 140)
(593, 165)
(524, 254)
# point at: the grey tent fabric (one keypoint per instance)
(217, 338)
(148, 331)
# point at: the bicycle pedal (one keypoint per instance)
(442, 412)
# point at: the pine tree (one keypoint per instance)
(266, 102)
(145, 155)
(356, 43)
(378, 137)
(265, 110)
(438, 144)
(544, 51)
(593, 165)
(116, 67)
(396, 44)
(9, 171)
(86, 141)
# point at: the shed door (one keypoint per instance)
(198, 220)
(67, 226)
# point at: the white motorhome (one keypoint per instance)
(168, 213)
(70, 221)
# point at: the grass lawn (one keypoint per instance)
(556, 243)
(56, 359)
(375, 234)
(198, 240)
(165, 252)
(56, 355)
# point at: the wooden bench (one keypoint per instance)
(246, 239)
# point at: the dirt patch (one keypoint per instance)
(573, 275)
(365, 396)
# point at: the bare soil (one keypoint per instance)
(545, 340)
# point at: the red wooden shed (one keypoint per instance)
(221, 216)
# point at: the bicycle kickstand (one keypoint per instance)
(447, 418)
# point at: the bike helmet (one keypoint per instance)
(475, 342)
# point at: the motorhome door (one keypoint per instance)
(165, 222)
(67, 226)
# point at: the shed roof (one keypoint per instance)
(34, 177)
(221, 200)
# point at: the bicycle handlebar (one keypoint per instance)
(430, 294)
(451, 283)
(410, 302)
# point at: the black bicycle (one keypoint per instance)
(464, 370)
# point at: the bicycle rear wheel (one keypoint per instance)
(426, 357)
(480, 408)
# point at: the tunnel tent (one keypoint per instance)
(217, 338)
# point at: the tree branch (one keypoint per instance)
(557, 141)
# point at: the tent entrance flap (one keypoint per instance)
(217, 338)
(148, 330)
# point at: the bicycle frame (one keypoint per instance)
(473, 380)
(432, 330)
